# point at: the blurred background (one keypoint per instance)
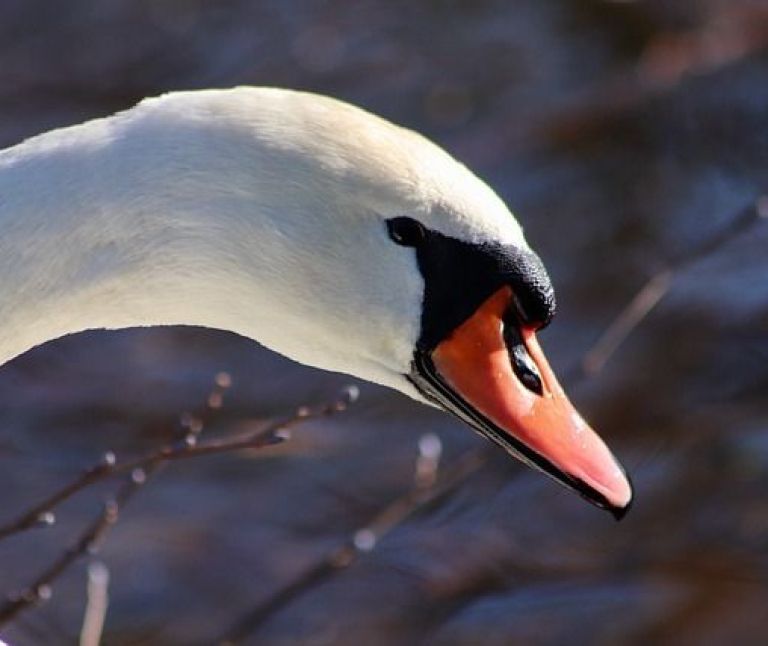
(624, 135)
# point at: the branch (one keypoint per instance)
(364, 539)
(41, 515)
(273, 433)
(140, 470)
(88, 542)
(657, 286)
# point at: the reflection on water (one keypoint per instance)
(622, 134)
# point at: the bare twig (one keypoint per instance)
(623, 325)
(428, 462)
(657, 286)
(41, 515)
(88, 542)
(91, 537)
(363, 540)
(273, 433)
(140, 470)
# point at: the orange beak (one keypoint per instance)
(475, 369)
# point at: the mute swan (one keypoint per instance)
(326, 233)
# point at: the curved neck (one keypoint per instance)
(89, 239)
(217, 209)
(102, 226)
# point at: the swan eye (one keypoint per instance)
(406, 231)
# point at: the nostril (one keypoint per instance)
(526, 369)
(523, 364)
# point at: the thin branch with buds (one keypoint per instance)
(140, 470)
(88, 542)
(657, 286)
(425, 491)
(41, 515)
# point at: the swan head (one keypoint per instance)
(389, 260)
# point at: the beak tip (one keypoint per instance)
(619, 511)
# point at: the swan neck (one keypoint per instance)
(86, 242)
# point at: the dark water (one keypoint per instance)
(623, 134)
